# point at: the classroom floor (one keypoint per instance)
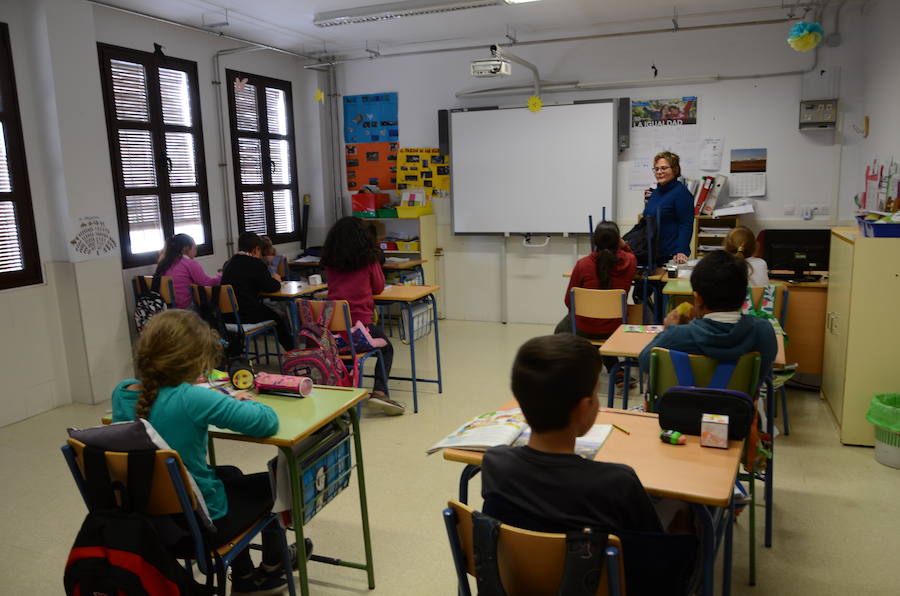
(835, 517)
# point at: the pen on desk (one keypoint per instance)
(621, 429)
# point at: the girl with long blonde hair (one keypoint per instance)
(742, 243)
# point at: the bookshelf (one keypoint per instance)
(424, 228)
(701, 238)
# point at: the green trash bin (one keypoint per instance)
(884, 413)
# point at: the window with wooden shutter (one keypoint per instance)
(156, 147)
(20, 263)
(264, 155)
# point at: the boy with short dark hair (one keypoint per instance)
(718, 329)
(544, 486)
(249, 275)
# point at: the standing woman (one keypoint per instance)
(177, 261)
(675, 206)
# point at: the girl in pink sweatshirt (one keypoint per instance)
(177, 261)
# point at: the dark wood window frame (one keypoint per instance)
(158, 129)
(20, 195)
(264, 136)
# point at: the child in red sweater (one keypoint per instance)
(610, 267)
(352, 263)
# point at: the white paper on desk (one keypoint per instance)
(586, 445)
(747, 185)
(711, 153)
(307, 259)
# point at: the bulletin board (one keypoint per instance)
(517, 171)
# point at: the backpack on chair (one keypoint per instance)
(149, 302)
(317, 356)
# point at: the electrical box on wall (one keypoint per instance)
(819, 113)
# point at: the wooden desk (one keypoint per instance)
(298, 419)
(697, 475)
(406, 297)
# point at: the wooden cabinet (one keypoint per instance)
(862, 322)
(701, 238)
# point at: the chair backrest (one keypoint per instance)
(662, 372)
(341, 320)
(227, 300)
(166, 288)
(164, 499)
(529, 562)
(598, 304)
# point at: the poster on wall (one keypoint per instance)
(423, 168)
(663, 112)
(371, 163)
(370, 118)
(748, 173)
(91, 237)
(646, 142)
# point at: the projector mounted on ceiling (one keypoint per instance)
(494, 67)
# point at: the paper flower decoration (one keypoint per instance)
(535, 104)
(805, 36)
(319, 96)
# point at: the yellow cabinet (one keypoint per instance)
(862, 329)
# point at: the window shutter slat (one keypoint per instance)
(250, 152)
(144, 223)
(176, 98)
(10, 244)
(284, 211)
(138, 164)
(5, 182)
(254, 212)
(180, 151)
(276, 111)
(245, 106)
(129, 82)
(280, 154)
(187, 215)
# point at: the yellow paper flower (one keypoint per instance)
(535, 104)
(805, 42)
(319, 96)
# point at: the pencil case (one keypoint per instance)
(283, 384)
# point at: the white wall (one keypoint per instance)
(803, 168)
(882, 85)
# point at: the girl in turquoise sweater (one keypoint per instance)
(175, 349)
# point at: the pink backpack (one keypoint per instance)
(317, 355)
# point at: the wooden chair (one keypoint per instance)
(341, 322)
(170, 496)
(529, 562)
(166, 288)
(745, 378)
(597, 304)
(249, 331)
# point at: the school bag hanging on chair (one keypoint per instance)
(148, 302)
(317, 356)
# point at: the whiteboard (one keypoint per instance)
(515, 171)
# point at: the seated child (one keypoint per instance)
(718, 329)
(175, 348)
(741, 242)
(247, 273)
(176, 260)
(544, 486)
(274, 261)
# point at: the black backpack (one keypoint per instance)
(118, 551)
(208, 309)
(637, 237)
(148, 302)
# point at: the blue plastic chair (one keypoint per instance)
(251, 332)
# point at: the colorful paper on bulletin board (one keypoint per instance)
(370, 118)
(664, 112)
(423, 168)
(371, 163)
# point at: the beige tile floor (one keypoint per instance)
(837, 511)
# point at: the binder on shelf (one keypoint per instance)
(705, 187)
(717, 185)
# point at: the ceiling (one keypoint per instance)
(288, 24)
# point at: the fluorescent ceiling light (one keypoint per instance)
(519, 1)
(396, 10)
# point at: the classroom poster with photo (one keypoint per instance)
(664, 112)
(371, 163)
(423, 168)
(371, 118)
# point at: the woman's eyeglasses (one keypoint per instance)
(661, 169)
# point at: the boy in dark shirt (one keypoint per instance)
(544, 486)
(249, 275)
(719, 330)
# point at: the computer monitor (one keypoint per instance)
(798, 250)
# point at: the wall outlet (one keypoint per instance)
(820, 209)
(790, 209)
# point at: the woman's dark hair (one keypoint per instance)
(606, 243)
(349, 245)
(173, 251)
